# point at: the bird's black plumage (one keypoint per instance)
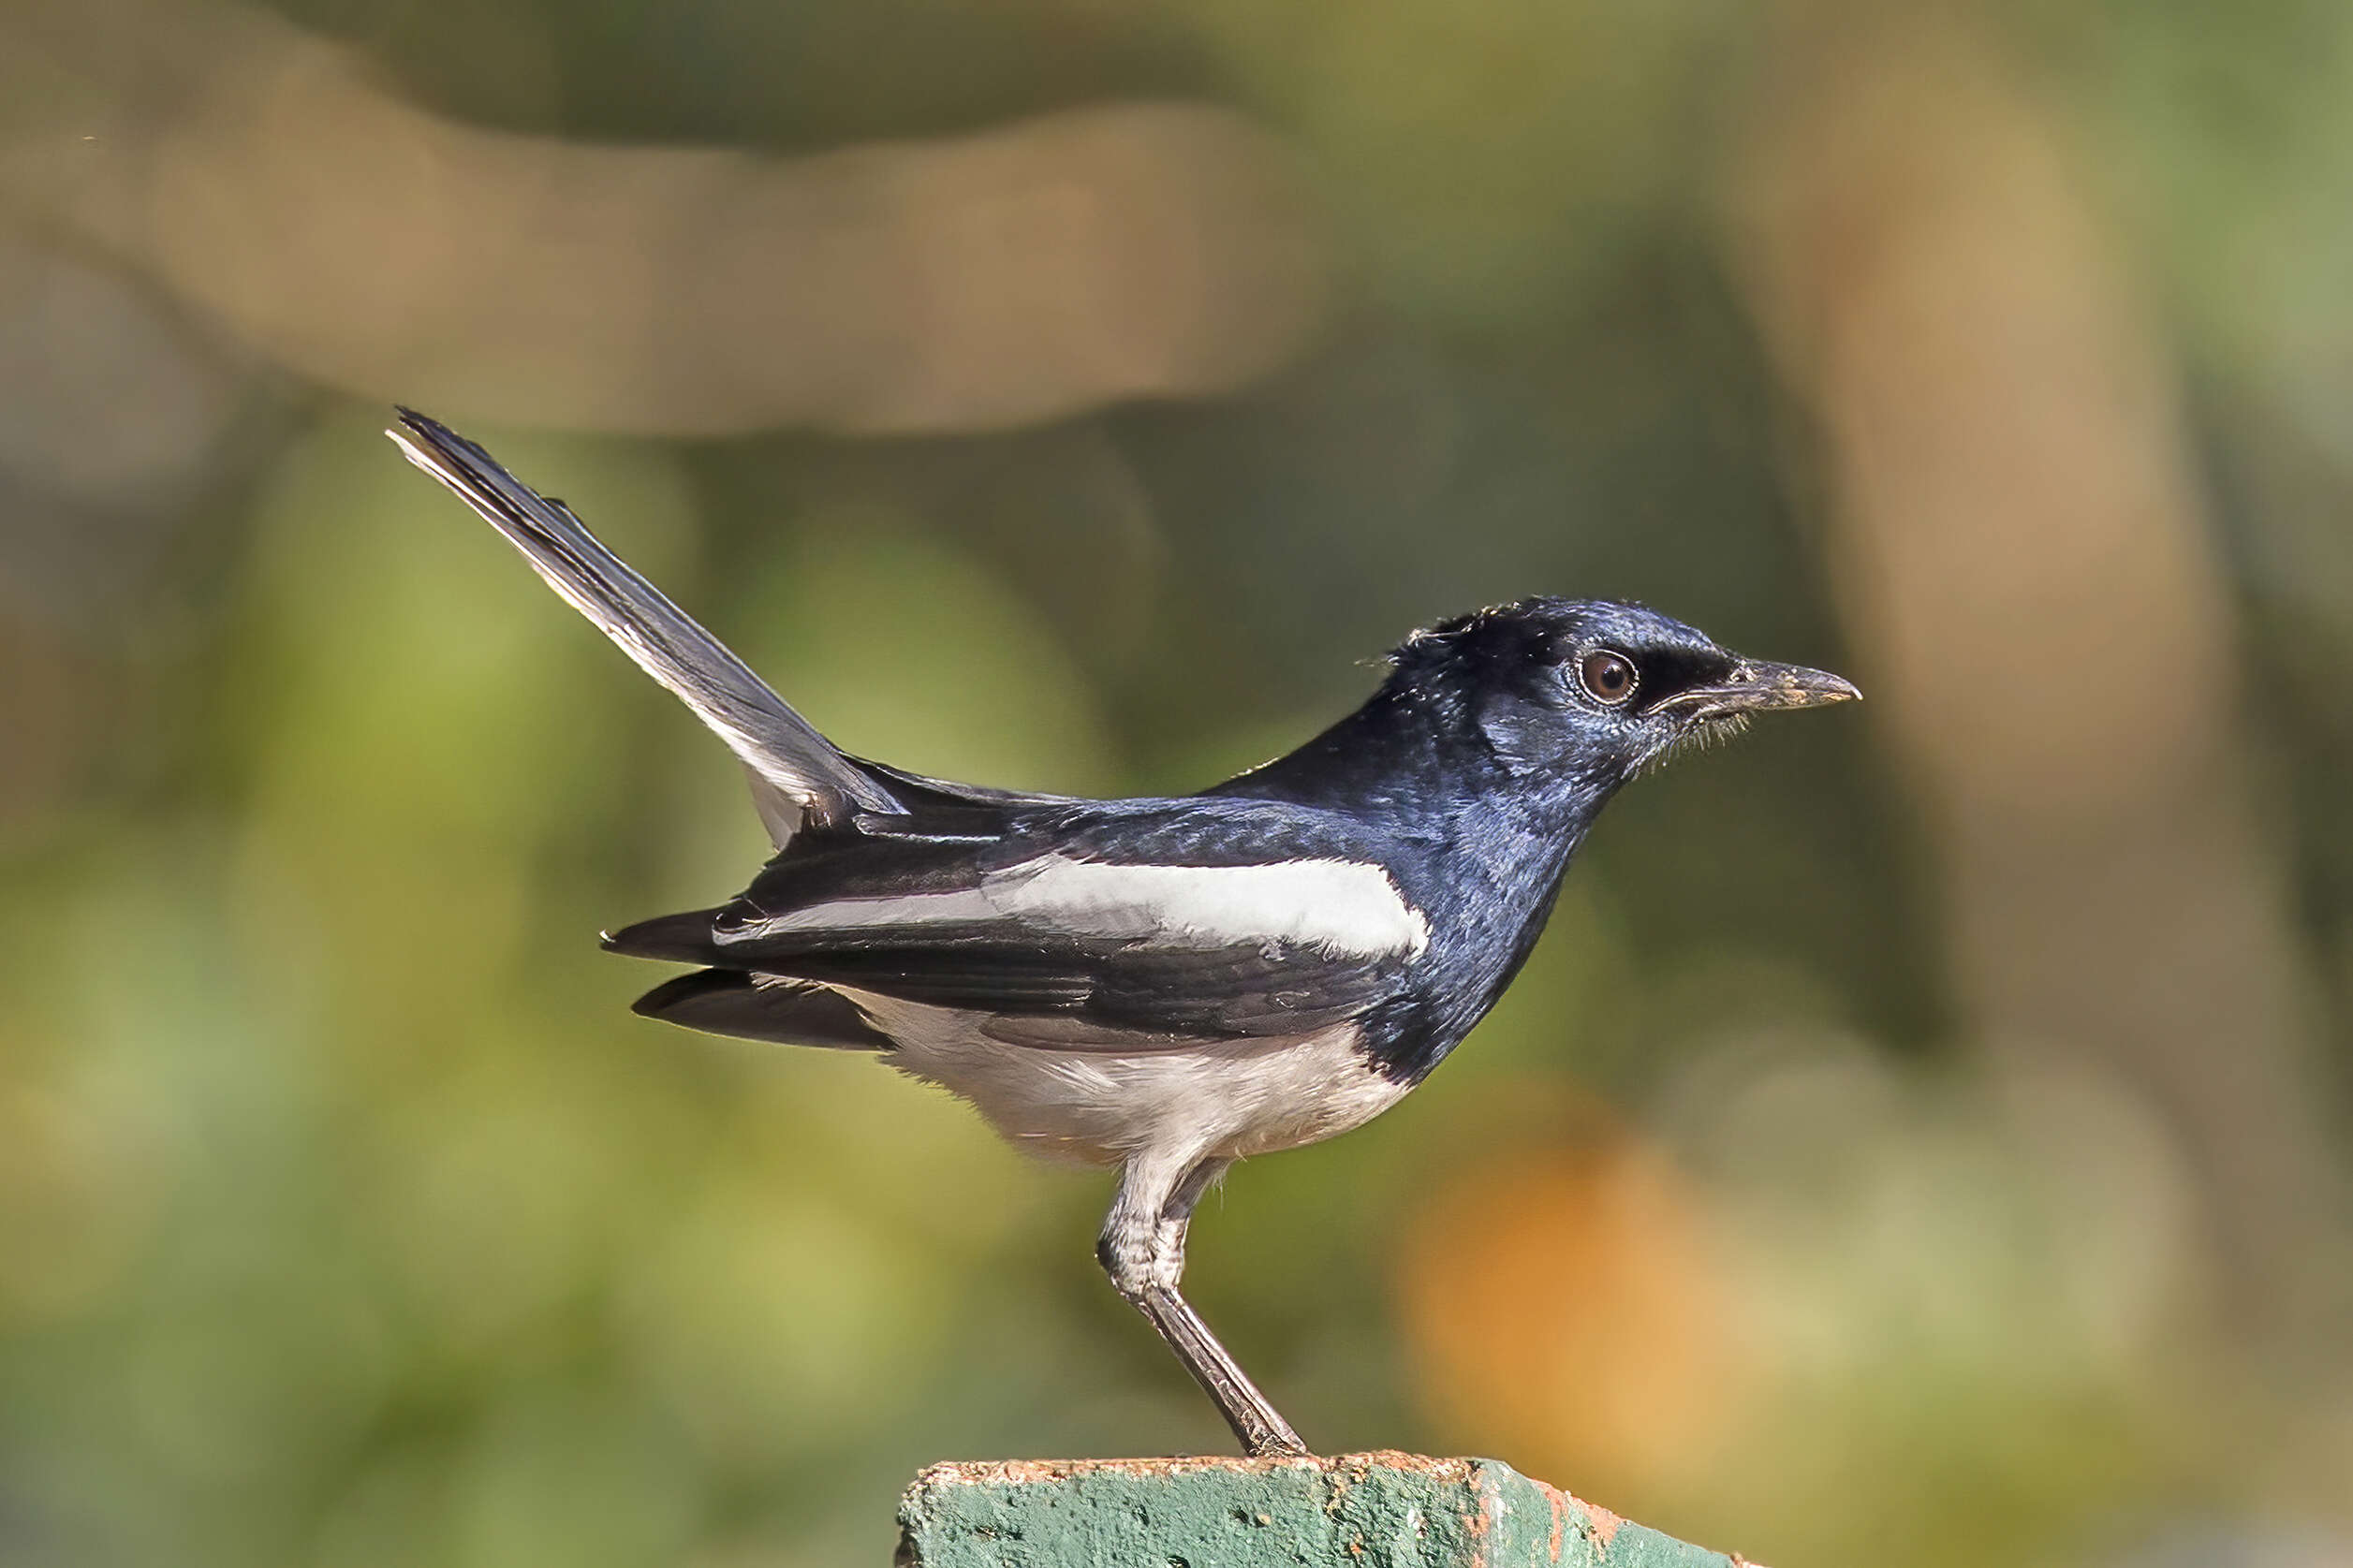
(1167, 985)
(1452, 779)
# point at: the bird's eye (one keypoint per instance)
(1608, 678)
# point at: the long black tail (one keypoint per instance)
(795, 770)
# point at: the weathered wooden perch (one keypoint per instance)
(1384, 1510)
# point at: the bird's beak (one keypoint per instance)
(1755, 687)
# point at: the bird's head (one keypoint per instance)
(1592, 692)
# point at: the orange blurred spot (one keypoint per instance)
(1562, 1309)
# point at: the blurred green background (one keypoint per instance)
(1922, 1138)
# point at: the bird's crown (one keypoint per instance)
(1510, 647)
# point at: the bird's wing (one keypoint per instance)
(1069, 947)
(795, 771)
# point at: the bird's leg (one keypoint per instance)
(1259, 1426)
(1142, 1249)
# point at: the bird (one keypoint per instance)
(1162, 985)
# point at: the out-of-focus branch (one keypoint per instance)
(2021, 554)
(1032, 272)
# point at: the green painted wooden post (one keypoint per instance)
(1352, 1511)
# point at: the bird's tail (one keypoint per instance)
(795, 770)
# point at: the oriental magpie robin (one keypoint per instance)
(1165, 985)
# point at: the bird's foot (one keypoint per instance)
(1276, 1442)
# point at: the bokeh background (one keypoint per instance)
(1922, 1138)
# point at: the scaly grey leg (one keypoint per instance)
(1142, 1249)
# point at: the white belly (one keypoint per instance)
(1228, 1099)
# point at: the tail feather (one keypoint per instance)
(795, 770)
(753, 1007)
(674, 938)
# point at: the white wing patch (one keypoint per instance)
(1336, 906)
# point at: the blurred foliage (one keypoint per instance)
(348, 1216)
